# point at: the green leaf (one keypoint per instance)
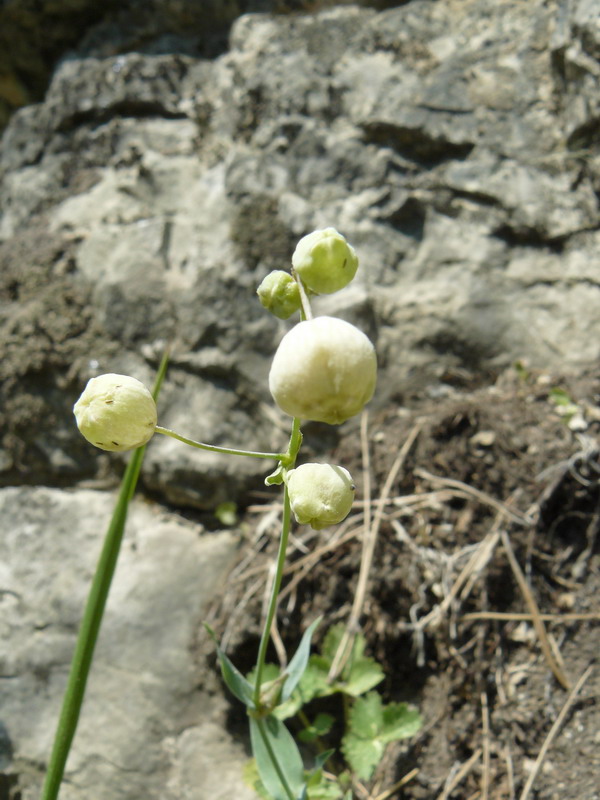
(235, 681)
(331, 642)
(363, 755)
(400, 721)
(314, 681)
(371, 726)
(276, 477)
(271, 741)
(252, 779)
(364, 674)
(323, 757)
(322, 788)
(320, 727)
(298, 663)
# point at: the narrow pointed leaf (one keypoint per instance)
(272, 742)
(297, 665)
(235, 681)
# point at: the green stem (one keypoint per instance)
(266, 633)
(88, 633)
(288, 459)
(305, 309)
(280, 773)
(92, 617)
(213, 448)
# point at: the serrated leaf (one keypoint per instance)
(313, 682)
(371, 726)
(331, 642)
(235, 681)
(363, 755)
(269, 735)
(299, 662)
(324, 789)
(321, 725)
(364, 674)
(366, 716)
(400, 721)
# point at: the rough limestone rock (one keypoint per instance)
(148, 194)
(146, 730)
(154, 173)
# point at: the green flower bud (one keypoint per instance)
(320, 494)
(325, 261)
(324, 370)
(279, 294)
(116, 412)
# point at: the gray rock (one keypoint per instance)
(454, 148)
(145, 730)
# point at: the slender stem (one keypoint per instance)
(88, 634)
(280, 773)
(305, 309)
(92, 617)
(266, 633)
(289, 459)
(213, 448)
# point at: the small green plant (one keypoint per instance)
(324, 370)
(369, 725)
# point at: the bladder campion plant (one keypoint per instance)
(324, 370)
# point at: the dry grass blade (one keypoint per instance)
(485, 726)
(402, 782)
(369, 542)
(535, 613)
(553, 732)
(460, 775)
(477, 494)
(475, 565)
(505, 616)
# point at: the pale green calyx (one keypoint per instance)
(116, 412)
(279, 294)
(320, 494)
(324, 370)
(325, 261)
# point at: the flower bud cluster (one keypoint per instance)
(325, 369)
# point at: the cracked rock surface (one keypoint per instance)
(157, 168)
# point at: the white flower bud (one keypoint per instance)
(116, 412)
(320, 494)
(279, 294)
(325, 261)
(324, 370)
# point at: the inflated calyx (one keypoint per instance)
(324, 370)
(279, 294)
(116, 412)
(324, 261)
(320, 494)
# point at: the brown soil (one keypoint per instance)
(493, 469)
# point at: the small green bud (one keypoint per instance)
(320, 494)
(279, 294)
(325, 261)
(116, 412)
(324, 369)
